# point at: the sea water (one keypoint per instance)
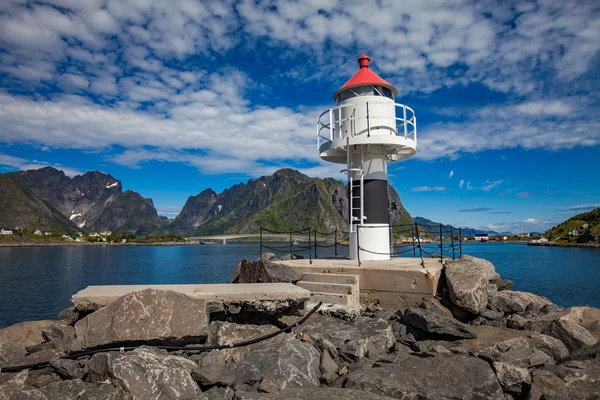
(37, 282)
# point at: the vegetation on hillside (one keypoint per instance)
(582, 228)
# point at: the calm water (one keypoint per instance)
(37, 282)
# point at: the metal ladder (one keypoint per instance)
(356, 213)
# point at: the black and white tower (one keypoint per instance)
(366, 130)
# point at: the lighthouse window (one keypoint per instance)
(365, 91)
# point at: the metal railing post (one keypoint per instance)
(412, 235)
(404, 122)
(452, 239)
(358, 244)
(330, 124)
(420, 249)
(309, 248)
(335, 243)
(260, 248)
(441, 244)
(368, 121)
(460, 240)
(316, 244)
(291, 257)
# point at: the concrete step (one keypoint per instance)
(322, 287)
(343, 300)
(331, 278)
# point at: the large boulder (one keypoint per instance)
(365, 337)
(504, 302)
(320, 393)
(513, 379)
(574, 336)
(546, 385)
(467, 280)
(521, 348)
(24, 334)
(437, 323)
(264, 271)
(529, 298)
(406, 376)
(146, 373)
(581, 378)
(60, 335)
(279, 366)
(149, 315)
(220, 333)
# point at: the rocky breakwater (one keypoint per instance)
(477, 339)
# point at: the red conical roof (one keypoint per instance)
(364, 76)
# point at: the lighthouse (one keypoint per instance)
(366, 130)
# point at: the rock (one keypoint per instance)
(267, 255)
(69, 315)
(218, 393)
(435, 306)
(581, 378)
(212, 375)
(157, 315)
(278, 366)
(327, 365)
(76, 389)
(16, 382)
(572, 335)
(365, 337)
(226, 333)
(521, 348)
(42, 377)
(587, 317)
(467, 280)
(529, 298)
(263, 271)
(60, 335)
(406, 376)
(492, 314)
(11, 355)
(146, 373)
(67, 369)
(502, 284)
(24, 334)
(545, 385)
(321, 393)
(513, 379)
(437, 323)
(506, 303)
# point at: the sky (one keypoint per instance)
(172, 97)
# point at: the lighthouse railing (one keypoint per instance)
(331, 121)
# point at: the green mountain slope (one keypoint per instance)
(587, 226)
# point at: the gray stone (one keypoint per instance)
(581, 378)
(506, 303)
(79, 390)
(267, 255)
(60, 335)
(529, 298)
(492, 314)
(263, 271)
(435, 306)
(321, 393)
(278, 366)
(69, 315)
(406, 376)
(516, 321)
(467, 282)
(513, 379)
(157, 315)
(11, 355)
(146, 373)
(502, 284)
(24, 334)
(220, 333)
(437, 323)
(546, 385)
(327, 365)
(211, 375)
(67, 369)
(218, 393)
(572, 335)
(365, 337)
(42, 377)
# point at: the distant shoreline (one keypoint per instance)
(577, 245)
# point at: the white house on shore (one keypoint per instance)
(540, 240)
(5, 232)
(482, 237)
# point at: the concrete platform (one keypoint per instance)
(93, 297)
(400, 282)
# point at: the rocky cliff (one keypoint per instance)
(93, 201)
(285, 200)
(20, 207)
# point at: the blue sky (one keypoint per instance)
(172, 97)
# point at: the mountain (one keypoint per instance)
(434, 228)
(93, 201)
(285, 200)
(20, 207)
(586, 224)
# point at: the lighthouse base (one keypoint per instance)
(370, 242)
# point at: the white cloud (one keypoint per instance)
(491, 185)
(429, 189)
(23, 164)
(451, 174)
(461, 184)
